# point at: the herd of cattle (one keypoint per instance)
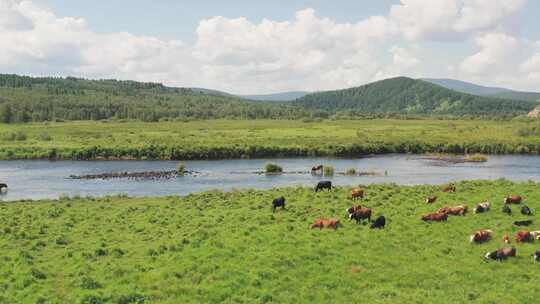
(360, 213)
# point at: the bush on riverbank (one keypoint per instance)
(273, 168)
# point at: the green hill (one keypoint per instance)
(409, 96)
(529, 96)
(25, 99)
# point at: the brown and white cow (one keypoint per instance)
(482, 207)
(435, 217)
(326, 223)
(501, 254)
(506, 239)
(481, 236)
(431, 199)
(523, 236)
(359, 213)
(457, 210)
(357, 193)
(515, 199)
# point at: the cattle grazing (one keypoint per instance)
(523, 223)
(326, 223)
(435, 217)
(278, 202)
(516, 199)
(506, 209)
(316, 168)
(536, 255)
(526, 211)
(3, 186)
(357, 193)
(506, 239)
(431, 199)
(501, 254)
(359, 213)
(535, 235)
(457, 210)
(449, 188)
(379, 223)
(323, 185)
(523, 236)
(482, 207)
(481, 236)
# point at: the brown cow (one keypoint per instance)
(501, 254)
(359, 213)
(357, 193)
(449, 188)
(523, 236)
(326, 223)
(457, 210)
(435, 217)
(431, 199)
(515, 199)
(481, 236)
(506, 239)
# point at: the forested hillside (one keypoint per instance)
(25, 99)
(409, 96)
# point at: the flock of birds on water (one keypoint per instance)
(360, 213)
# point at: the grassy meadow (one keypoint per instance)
(222, 139)
(220, 247)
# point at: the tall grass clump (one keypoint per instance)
(273, 168)
(328, 171)
(476, 158)
(350, 171)
(181, 168)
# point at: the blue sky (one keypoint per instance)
(303, 45)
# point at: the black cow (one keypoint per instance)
(278, 202)
(2, 186)
(379, 223)
(523, 223)
(506, 209)
(526, 211)
(323, 185)
(536, 256)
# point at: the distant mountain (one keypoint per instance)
(409, 96)
(529, 96)
(471, 88)
(210, 92)
(285, 96)
(466, 87)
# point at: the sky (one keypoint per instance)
(255, 47)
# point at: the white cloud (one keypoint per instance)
(308, 52)
(444, 19)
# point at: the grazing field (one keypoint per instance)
(229, 247)
(222, 139)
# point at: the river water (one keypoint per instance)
(50, 180)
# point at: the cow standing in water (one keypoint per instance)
(317, 169)
(2, 187)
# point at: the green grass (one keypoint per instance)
(219, 247)
(221, 139)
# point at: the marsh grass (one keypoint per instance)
(217, 247)
(328, 171)
(273, 168)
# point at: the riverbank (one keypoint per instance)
(233, 139)
(217, 247)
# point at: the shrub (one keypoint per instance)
(89, 283)
(273, 168)
(38, 274)
(328, 171)
(181, 168)
(21, 136)
(44, 136)
(350, 171)
(477, 158)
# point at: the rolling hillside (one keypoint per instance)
(409, 96)
(471, 88)
(285, 96)
(26, 99)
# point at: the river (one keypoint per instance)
(50, 179)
